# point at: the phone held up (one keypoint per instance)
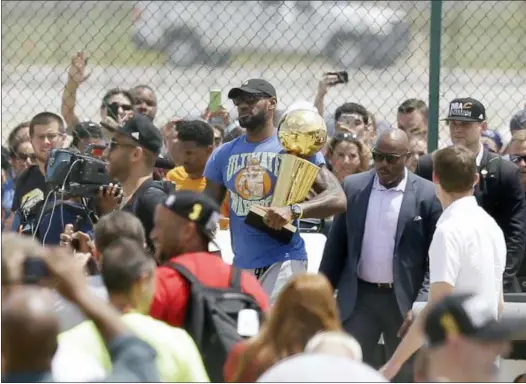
(215, 100)
(343, 77)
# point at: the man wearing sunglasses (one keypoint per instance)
(499, 190)
(248, 167)
(131, 157)
(517, 153)
(376, 255)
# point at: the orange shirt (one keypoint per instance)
(182, 182)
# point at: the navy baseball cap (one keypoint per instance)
(493, 135)
(253, 86)
(142, 130)
(518, 121)
(472, 317)
(466, 109)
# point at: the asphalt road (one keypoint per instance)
(29, 90)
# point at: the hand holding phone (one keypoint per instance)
(215, 100)
(334, 78)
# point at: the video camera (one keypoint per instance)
(76, 174)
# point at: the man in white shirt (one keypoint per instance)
(468, 251)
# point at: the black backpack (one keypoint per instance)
(211, 318)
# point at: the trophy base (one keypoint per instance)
(255, 217)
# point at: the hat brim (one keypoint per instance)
(511, 328)
(463, 118)
(235, 92)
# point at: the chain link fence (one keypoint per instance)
(182, 49)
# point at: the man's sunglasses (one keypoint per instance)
(115, 106)
(391, 158)
(517, 159)
(250, 98)
(114, 144)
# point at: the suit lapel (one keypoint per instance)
(483, 164)
(407, 209)
(360, 213)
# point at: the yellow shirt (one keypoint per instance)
(178, 359)
(182, 182)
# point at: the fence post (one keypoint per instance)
(435, 33)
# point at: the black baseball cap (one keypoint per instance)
(472, 317)
(141, 129)
(518, 121)
(87, 129)
(197, 207)
(466, 109)
(253, 86)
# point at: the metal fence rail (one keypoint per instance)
(184, 48)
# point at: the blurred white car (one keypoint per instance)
(197, 32)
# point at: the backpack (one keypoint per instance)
(212, 318)
(167, 187)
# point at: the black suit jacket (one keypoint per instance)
(501, 193)
(419, 213)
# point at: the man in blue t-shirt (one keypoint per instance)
(248, 167)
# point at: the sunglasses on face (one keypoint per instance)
(115, 106)
(517, 159)
(351, 120)
(391, 158)
(250, 98)
(345, 136)
(26, 156)
(114, 144)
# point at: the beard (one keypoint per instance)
(255, 123)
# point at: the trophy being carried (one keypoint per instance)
(302, 133)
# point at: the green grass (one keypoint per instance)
(493, 39)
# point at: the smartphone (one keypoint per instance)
(113, 111)
(215, 100)
(34, 270)
(343, 77)
(75, 243)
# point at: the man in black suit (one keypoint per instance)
(376, 253)
(499, 191)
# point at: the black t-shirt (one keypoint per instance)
(142, 204)
(30, 189)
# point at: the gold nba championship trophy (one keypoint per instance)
(302, 133)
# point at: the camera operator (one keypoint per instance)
(86, 133)
(131, 157)
(47, 132)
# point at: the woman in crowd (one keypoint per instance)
(305, 307)
(347, 155)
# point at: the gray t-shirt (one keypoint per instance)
(69, 314)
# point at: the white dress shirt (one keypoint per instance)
(376, 260)
(468, 251)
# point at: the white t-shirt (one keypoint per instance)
(468, 251)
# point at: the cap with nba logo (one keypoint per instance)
(141, 129)
(253, 87)
(197, 207)
(466, 109)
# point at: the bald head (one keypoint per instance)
(393, 141)
(29, 330)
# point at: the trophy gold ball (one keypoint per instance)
(302, 132)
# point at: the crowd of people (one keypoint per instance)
(130, 285)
